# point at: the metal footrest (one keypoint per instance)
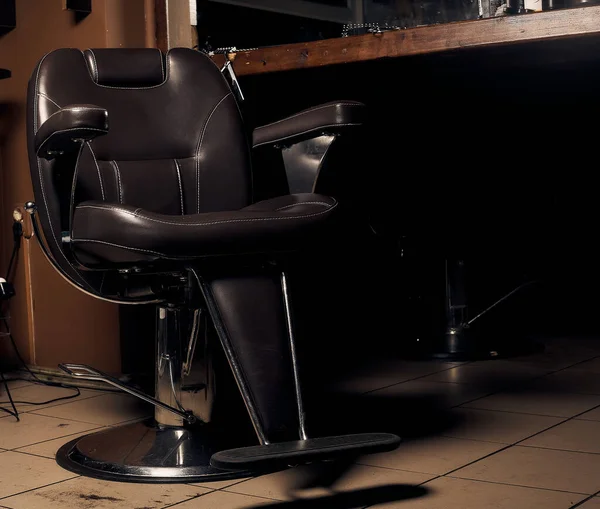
(266, 457)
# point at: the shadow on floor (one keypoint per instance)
(355, 499)
(409, 416)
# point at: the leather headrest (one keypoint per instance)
(124, 67)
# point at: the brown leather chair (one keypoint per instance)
(142, 176)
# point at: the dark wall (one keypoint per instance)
(51, 321)
(486, 155)
(221, 25)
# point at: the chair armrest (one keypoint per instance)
(331, 118)
(63, 131)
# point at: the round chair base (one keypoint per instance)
(144, 452)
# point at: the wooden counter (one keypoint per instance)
(540, 26)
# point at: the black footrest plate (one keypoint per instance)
(264, 457)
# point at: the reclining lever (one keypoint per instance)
(89, 373)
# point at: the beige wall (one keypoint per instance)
(53, 322)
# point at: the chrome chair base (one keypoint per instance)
(145, 452)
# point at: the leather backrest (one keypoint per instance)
(176, 143)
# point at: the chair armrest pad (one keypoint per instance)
(331, 118)
(63, 130)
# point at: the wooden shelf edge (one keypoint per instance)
(415, 41)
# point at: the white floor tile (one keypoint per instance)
(104, 410)
(21, 472)
(34, 428)
(86, 493)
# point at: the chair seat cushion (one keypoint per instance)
(108, 233)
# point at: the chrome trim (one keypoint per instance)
(226, 344)
(168, 353)
(197, 374)
(190, 389)
(191, 347)
(290, 331)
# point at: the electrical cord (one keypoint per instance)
(34, 379)
(63, 385)
(14, 412)
(17, 235)
(12, 259)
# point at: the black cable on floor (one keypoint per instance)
(17, 236)
(61, 398)
(14, 411)
(10, 401)
(63, 385)
(12, 259)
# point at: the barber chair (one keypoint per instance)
(142, 178)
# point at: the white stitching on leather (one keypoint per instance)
(40, 174)
(294, 135)
(49, 99)
(97, 168)
(180, 186)
(306, 112)
(131, 88)
(36, 92)
(118, 175)
(66, 131)
(74, 188)
(210, 223)
(304, 203)
(93, 241)
(106, 207)
(199, 146)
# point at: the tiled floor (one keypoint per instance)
(508, 434)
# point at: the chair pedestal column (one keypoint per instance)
(185, 378)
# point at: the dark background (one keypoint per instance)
(486, 155)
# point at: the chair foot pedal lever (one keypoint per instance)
(261, 457)
(88, 373)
